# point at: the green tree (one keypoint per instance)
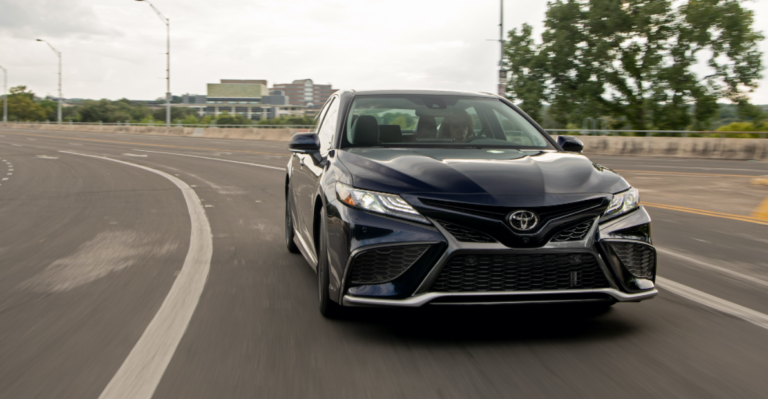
(227, 119)
(633, 60)
(22, 105)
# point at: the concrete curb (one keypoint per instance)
(221, 133)
(683, 147)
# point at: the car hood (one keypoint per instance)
(484, 176)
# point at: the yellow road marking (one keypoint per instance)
(145, 144)
(761, 212)
(707, 213)
(679, 173)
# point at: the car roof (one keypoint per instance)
(421, 92)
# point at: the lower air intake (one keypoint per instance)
(483, 273)
(381, 265)
(639, 259)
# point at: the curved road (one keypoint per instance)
(93, 252)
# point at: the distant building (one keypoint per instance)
(305, 93)
(193, 99)
(249, 98)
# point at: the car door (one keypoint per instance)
(306, 173)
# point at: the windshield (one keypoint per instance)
(438, 121)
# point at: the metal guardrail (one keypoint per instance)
(162, 124)
(579, 132)
(656, 133)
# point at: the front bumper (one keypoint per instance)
(503, 298)
(415, 289)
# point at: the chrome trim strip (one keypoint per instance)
(423, 299)
(305, 250)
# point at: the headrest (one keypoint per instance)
(390, 134)
(426, 128)
(365, 131)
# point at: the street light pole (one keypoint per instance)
(167, 23)
(58, 53)
(502, 71)
(5, 94)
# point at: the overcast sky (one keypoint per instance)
(115, 48)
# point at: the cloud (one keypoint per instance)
(49, 18)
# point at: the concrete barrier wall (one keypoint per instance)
(685, 147)
(691, 147)
(222, 133)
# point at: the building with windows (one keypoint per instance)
(305, 93)
(249, 98)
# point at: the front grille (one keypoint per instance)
(482, 273)
(380, 265)
(639, 259)
(545, 213)
(467, 235)
(575, 233)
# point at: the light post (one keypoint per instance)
(58, 53)
(502, 71)
(5, 95)
(167, 23)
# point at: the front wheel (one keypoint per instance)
(328, 307)
(289, 243)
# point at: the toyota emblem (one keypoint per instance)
(523, 220)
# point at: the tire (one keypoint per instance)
(328, 308)
(289, 243)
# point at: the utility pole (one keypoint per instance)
(167, 23)
(5, 95)
(502, 71)
(58, 53)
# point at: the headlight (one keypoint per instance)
(387, 204)
(622, 203)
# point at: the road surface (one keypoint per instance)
(102, 295)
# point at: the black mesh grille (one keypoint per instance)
(380, 265)
(575, 233)
(466, 235)
(482, 273)
(639, 259)
(498, 212)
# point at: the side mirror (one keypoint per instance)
(570, 144)
(304, 143)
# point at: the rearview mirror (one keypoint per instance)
(304, 143)
(570, 144)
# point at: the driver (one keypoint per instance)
(457, 126)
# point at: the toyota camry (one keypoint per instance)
(416, 198)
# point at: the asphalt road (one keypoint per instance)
(91, 249)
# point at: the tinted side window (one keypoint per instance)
(328, 127)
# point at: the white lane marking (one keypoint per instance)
(74, 144)
(5, 178)
(10, 174)
(142, 370)
(17, 145)
(209, 206)
(46, 157)
(216, 159)
(754, 317)
(32, 139)
(134, 155)
(708, 265)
